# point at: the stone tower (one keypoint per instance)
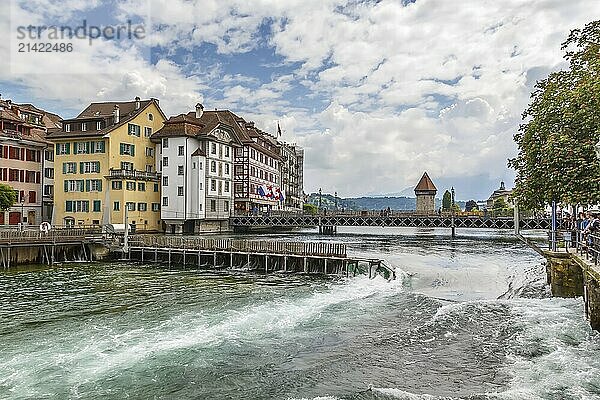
(425, 192)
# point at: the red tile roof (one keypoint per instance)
(425, 184)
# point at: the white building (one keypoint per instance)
(196, 165)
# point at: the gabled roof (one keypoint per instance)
(104, 111)
(425, 184)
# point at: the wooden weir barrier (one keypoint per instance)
(258, 255)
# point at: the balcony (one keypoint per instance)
(133, 174)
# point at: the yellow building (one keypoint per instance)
(104, 162)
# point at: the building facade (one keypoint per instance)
(500, 193)
(105, 166)
(291, 170)
(196, 153)
(23, 146)
(425, 192)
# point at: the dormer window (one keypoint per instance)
(67, 127)
(150, 117)
(83, 126)
(98, 125)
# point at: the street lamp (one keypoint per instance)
(336, 201)
(452, 213)
(320, 192)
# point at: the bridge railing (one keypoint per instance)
(588, 246)
(244, 246)
(55, 234)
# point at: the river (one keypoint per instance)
(469, 318)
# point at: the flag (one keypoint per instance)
(280, 195)
(278, 129)
(261, 191)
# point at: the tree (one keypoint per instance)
(8, 197)
(471, 205)
(501, 208)
(446, 201)
(557, 159)
(310, 208)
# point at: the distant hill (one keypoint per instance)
(401, 203)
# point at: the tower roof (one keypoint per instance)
(425, 184)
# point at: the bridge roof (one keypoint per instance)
(425, 184)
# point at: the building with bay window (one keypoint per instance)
(105, 165)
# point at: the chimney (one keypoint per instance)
(502, 187)
(9, 104)
(116, 114)
(199, 110)
(137, 103)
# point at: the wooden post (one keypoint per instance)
(199, 255)
(325, 267)
(248, 265)
(266, 264)
(184, 256)
(214, 259)
(142, 253)
(156, 254)
(169, 256)
(231, 260)
(305, 266)
(285, 263)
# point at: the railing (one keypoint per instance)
(54, 235)
(244, 246)
(585, 244)
(132, 174)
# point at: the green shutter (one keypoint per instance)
(66, 186)
(81, 167)
(97, 165)
(56, 146)
(100, 185)
(64, 168)
(69, 206)
(87, 147)
(121, 148)
(102, 148)
(87, 185)
(133, 149)
(97, 205)
(68, 148)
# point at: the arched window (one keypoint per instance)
(150, 117)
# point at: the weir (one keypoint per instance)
(258, 255)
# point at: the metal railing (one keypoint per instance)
(587, 245)
(133, 174)
(53, 235)
(309, 249)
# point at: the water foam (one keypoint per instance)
(403, 395)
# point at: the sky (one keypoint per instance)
(376, 92)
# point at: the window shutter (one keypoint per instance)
(81, 167)
(69, 206)
(87, 147)
(67, 148)
(100, 185)
(133, 150)
(66, 186)
(121, 148)
(57, 146)
(102, 149)
(97, 165)
(64, 168)
(87, 185)
(97, 205)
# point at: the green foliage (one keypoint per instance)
(501, 208)
(471, 205)
(447, 201)
(310, 208)
(8, 197)
(557, 158)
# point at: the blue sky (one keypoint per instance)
(376, 91)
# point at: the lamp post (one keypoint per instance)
(320, 193)
(336, 201)
(452, 213)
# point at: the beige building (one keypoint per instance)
(105, 163)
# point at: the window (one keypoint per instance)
(213, 166)
(133, 130)
(200, 165)
(165, 180)
(97, 205)
(156, 187)
(165, 201)
(117, 185)
(194, 165)
(180, 151)
(165, 143)
(130, 206)
(226, 169)
(116, 206)
(147, 131)
(213, 205)
(213, 185)
(69, 168)
(200, 207)
(199, 185)
(148, 168)
(226, 151)
(49, 173)
(127, 166)
(141, 186)
(63, 148)
(213, 148)
(74, 185)
(89, 167)
(48, 154)
(165, 162)
(127, 149)
(83, 126)
(98, 147)
(93, 185)
(149, 152)
(77, 206)
(130, 185)
(98, 125)
(150, 117)
(179, 190)
(82, 147)
(142, 206)
(227, 186)
(67, 127)
(155, 207)
(180, 170)
(48, 190)
(226, 206)
(32, 196)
